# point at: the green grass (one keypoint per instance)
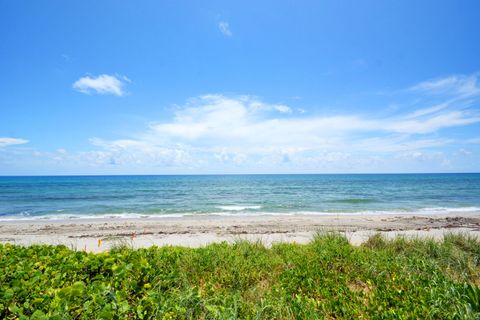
(325, 279)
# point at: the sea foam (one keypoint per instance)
(238, 208)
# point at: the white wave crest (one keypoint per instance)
(235, 210)
(238, 208)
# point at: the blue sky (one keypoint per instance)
(166, 87)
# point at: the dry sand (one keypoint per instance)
(84, 234)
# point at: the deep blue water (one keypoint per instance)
(86, 196)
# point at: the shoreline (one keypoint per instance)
(201, 230)
(433, 211)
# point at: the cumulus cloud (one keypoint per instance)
(247, 123)
(6, 141)
(102, 84)
(218, 119)
(244, 130)
(225, 28)
(282, 108)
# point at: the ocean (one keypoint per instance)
(70, 197)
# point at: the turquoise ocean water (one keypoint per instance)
(69, 197)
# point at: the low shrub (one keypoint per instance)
(325, 279)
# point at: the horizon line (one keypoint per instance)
(234, 174)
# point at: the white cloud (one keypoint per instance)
(395, 144)
(218, 133)
(282, 108)
(429, 110)
(255, 104)
(458, 85)
(423, 156)
(245, 122)
(246, 131)
(216, 119)
(434, 123)
(225, 28)
(138, 152)
(102, 84)
(5, 141)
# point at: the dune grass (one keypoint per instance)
(325, 279)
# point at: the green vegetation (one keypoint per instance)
(326, 279)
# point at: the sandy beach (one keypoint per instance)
(84, 234)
